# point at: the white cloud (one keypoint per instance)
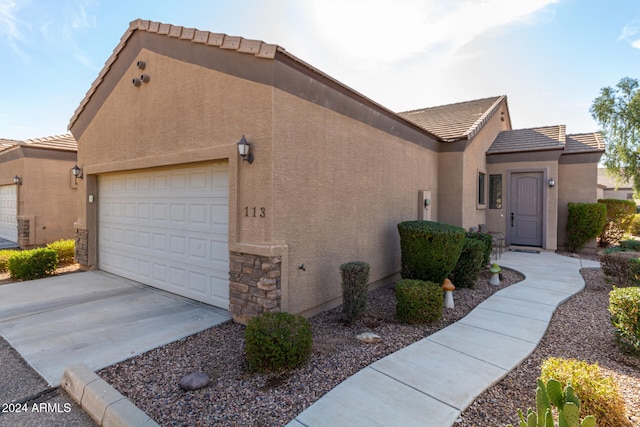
(9, 21)
(629, 34)
(378, 32)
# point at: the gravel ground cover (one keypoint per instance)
(580, 328)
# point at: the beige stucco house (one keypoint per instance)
(610, 188)
(166, 198)
(37, 190)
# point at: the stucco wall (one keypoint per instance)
(576, 183)
(46, 198)
(185, 114)
(459, 165)
(340, 189)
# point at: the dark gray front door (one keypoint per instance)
(526, 209)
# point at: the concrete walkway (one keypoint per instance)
(430, 382)
(94, 318)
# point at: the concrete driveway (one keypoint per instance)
(94, 318)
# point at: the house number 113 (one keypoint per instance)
(255, 212)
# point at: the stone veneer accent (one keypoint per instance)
(23, 232)
(254, 285)
(82, 247)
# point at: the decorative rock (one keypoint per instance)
(369, 337)
(194, 381)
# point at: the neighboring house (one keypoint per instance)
(610, 188)
(167, 200)
(37, 191)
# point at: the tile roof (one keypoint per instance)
(64, 142)
(585, 142)
(534, 139)
(457, 121)
(257, 48)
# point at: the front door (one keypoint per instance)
(526, 209)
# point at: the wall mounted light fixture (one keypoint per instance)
(77, 172)
(552, 182)
(17, 180)
(244, 149)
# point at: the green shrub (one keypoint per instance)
(277, 341)
(635, 225)
(566, 403)
(620, 214)
(33, 264)
(418, 301)
(487, 241)
(630, 245)
(622, 265)
(585, 222)
(466, 272)
(430, 250)
(355, 289)
(5, 254)
(624, 306)
(65, 250)
(599, 394)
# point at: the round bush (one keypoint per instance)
(585, 222)
(65, 250)
(599, 394)
(418, 301)
(624, 306)
(277, 341)
(430, 250)
(635, 225)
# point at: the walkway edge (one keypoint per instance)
(101, 401)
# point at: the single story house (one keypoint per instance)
(37, 190)
(610, 188)
(169, 196)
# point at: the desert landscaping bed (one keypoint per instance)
(580, 329)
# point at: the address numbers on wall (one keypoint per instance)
(255, 212)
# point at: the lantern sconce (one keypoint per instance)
(77, 173)
(244, 149)
(17, 180)
(552, 182)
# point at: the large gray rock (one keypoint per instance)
(194, 381)
(369, 337)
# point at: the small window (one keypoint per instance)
(495, 191)
(482, 183)
(629, 196)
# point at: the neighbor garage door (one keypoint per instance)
(8, 212)
(168, 229)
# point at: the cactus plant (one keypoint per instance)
(566, 402)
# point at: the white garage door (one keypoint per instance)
(168, 229)
(8, 212)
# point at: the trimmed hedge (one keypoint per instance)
(620, 214)
(418, 301)
(487, 241)
(622, 265)
(586, 221)
(467, 270)
(277, 341)
(624, 306)
(355, 289)
(33, 264)
(430, 250)
(599, 394)
(65, 249)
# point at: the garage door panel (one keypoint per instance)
(172, 232)
(8, 213)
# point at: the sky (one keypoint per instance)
(550, 57)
